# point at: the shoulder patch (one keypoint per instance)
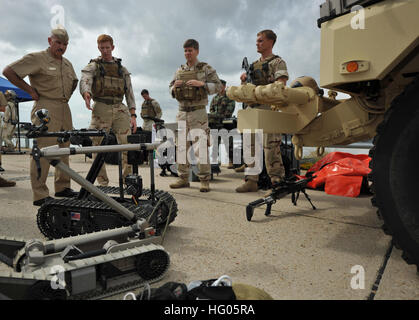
(275, 59)
(201, 65)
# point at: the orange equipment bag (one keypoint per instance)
(340, 173)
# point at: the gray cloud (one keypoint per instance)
(149, 38)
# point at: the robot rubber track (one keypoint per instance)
(59, 218)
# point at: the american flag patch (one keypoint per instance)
(75, 216)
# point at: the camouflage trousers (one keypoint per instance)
(273, 158)
(115, 117)
(148, 125)
(194, 120)
(60, 120)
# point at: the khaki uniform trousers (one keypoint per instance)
(273, 159)
(115, 117)
(60, 115)
(197, 119)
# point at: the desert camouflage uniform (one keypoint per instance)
(195, 115)
(150, 108)
(110, 115)
(271, 142)
(55, 82)
(223, 107)
(9, 125)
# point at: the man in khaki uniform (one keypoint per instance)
(268, 69)
(3, 182)
(52, 82)
(106, 81)
(150, 108)
(191, 85)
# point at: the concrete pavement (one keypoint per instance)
(296, 253)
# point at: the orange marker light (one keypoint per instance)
(352, 66)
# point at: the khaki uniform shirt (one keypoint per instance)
(156, 106)
(208, 75)
(88, 74)
(53, 79)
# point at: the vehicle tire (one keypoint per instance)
(395, 156)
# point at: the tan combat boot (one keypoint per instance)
(248, 186)
(240, 169)
(5, 184)
(204, 186)
(180, 183)
(230, 165)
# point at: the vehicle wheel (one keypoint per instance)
(395, 157)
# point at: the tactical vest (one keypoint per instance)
(260, 72)
(147, 109)
(108, 80)
(189, 93)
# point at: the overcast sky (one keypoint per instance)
(149, 37)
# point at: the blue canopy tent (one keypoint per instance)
(22, 96)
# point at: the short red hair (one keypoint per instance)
(104, 38)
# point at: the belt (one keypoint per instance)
(190, 109)
(63, 100)
(108, 101)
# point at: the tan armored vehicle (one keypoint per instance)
(370, 51)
